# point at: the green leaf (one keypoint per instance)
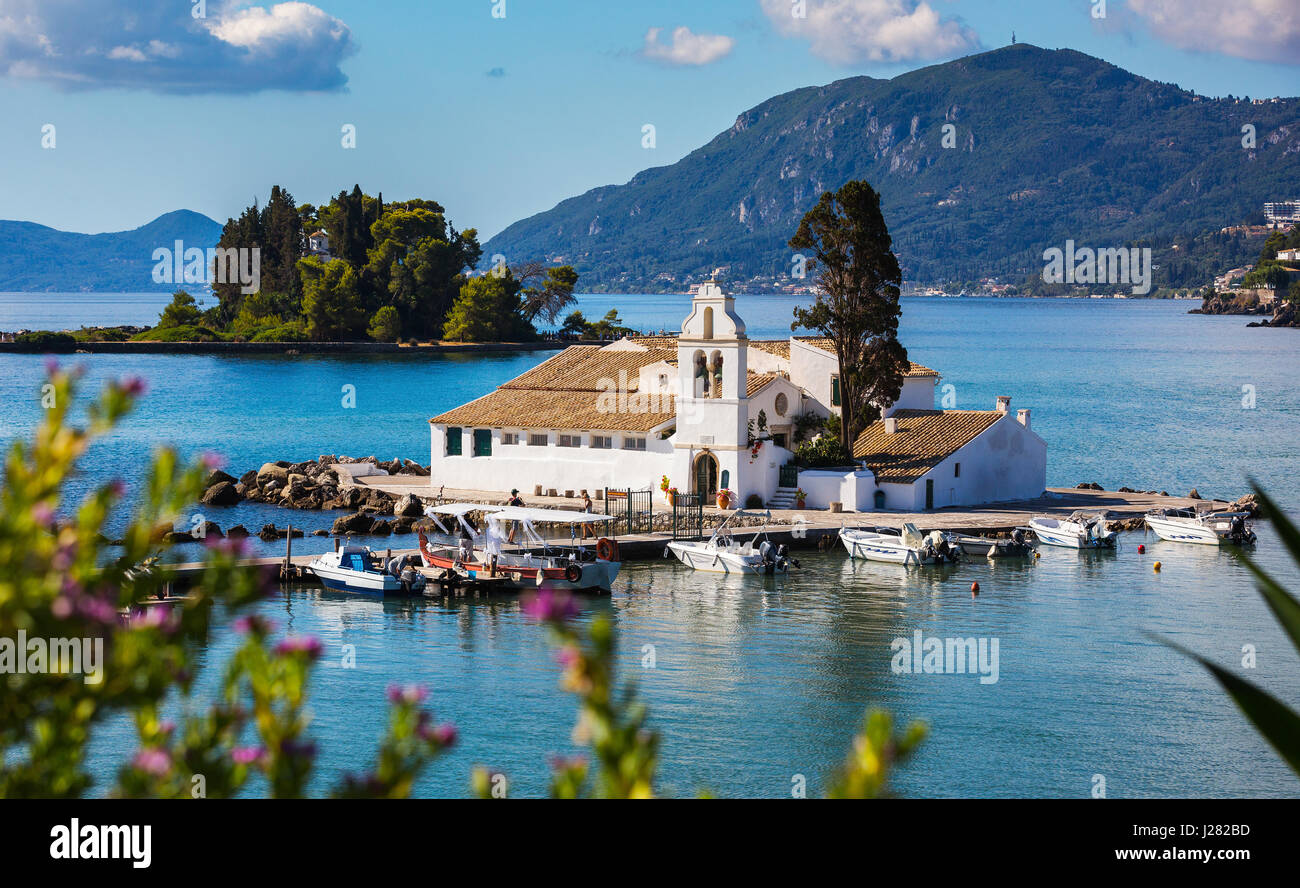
(1283, 605)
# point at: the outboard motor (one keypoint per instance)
(1018, 536)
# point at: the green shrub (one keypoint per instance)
(47, 339)
(282, 333)
(753, 501)
(183, 333)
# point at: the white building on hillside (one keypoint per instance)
(710, 409)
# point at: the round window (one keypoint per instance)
(782, 405)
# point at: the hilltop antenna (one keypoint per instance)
(1013, 38)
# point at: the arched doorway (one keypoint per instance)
(706, 474)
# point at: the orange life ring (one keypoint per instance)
(606, 549)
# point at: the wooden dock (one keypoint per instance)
(798, 529)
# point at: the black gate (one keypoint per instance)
(789, 476)
(688, 516)
(630, 508)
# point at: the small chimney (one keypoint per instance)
(1004, 403)
(891, 425)
(1022, 417)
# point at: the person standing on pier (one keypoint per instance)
(588, 507)
(518, 502)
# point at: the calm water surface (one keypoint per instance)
(757, 681)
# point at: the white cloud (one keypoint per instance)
(686, 48)
(853, 32)
(1268, 30)
(158, 45)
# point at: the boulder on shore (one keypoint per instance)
(1089, 486)
(1194, 494)
(218, 477)
(354, 523)
(273, 472)
(1248, 504)
(408, 506)
(237, 531)
(223, 493)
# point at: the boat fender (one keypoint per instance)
(606, 549)
(573, 573)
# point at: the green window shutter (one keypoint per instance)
(453, 441)
(835, 391)
(482, 442)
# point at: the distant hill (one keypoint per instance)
(1047, 145)
(36, 258)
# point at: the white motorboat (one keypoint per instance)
(535, 562)
(723, 553)
(906, 546)
(1018, 545)
(1204, 527)
(357, 569)
(1082, 530)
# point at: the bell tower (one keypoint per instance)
(712, 347)
(712, 411)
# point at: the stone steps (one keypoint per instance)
(784, 498)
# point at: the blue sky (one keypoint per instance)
(496, 117)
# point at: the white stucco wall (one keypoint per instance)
(563, 468)
(917, 394)
(811, 369)
(1005, 462)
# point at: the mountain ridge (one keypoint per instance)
(1002, 153)
(38, 258)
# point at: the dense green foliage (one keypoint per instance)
(1048, 145)
(857, 301)
(46, 339)
(397, 271)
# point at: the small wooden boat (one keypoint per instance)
(1015, 546)
(536, 563)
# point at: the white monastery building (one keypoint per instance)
(710, 409)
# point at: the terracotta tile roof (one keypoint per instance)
(565, 392)
(827, 345)
(580, 368)
(778, 347)
(756, 382)
(579, 411)
(923, 440)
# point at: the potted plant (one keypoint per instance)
(800, 499)
(724, 498)
(668, 490)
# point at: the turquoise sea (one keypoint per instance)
(756, 682)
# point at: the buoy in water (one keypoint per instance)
(1141, 548)
(974, 588)
(1156, 567)
(1038, 555)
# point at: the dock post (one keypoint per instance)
(287, 573)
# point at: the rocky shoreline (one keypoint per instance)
(323, 484)
(1246, 503)
(1284, 315)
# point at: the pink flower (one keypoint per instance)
(444, 734)
(152, 761)
(550, 606)
(253, 623)
(412, 694)
(212, 461)
(42, 514)
(133, 386)
(247, 755)
(300, 644)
